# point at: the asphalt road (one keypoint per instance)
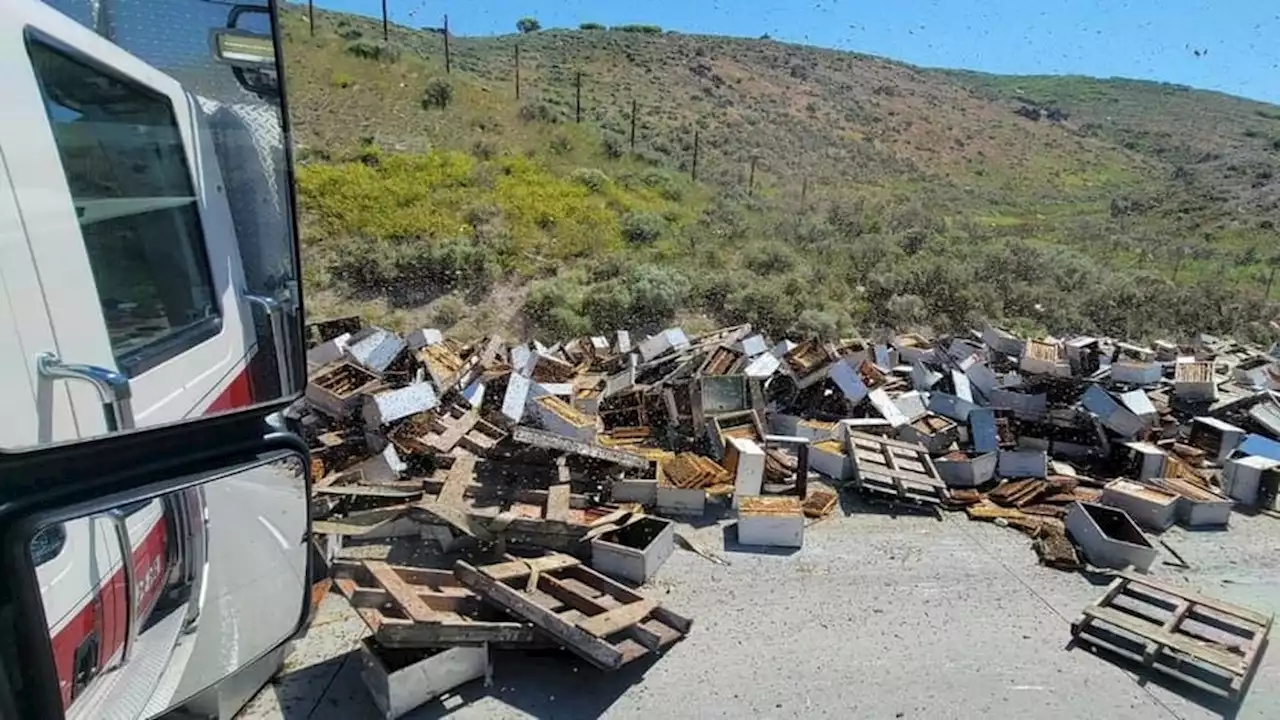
(256, 524)
(876, 617)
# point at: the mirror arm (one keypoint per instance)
(120, 522)
(113, 387)
(275, 315)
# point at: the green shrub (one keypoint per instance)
(591, 26)
(350, 33)
(615, 146)
(561, 144)
(666, 185)
(538, 112)
(642, 228)
(821, 324)
(553, 306)
(593, 179)
(528, 25)
(438, 94)
(379, 51)
(485, 149)
(448, 310)
(454, 263)
(643, 29)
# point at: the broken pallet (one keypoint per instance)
(606, 623)
(421, 608)
(1209, 644)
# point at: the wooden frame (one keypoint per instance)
(899, 470)
(1209, 644)
(409, 607)
(606, 623)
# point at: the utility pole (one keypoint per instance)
(694, 172)
(633, 126)
(517, 71)
(384, 21)
(311, 16)
(578, 81)
(448, 61)
(1270, 279)
(751, 183)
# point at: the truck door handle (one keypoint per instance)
(275, 315)
(113, 387)
(120, 524)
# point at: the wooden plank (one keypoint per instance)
(473, 633)
(586, 645)
(455, 486)
(606, 585)
(445, 441)
(402, 594)
(522, 568)
(1182, 644)
(608, 623)
(1221, 606)
(570, 598)
(558, 503)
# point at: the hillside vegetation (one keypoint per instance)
(883, 195)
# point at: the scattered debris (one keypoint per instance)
(532, 472)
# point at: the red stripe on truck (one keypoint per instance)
(105, 612)
(238, 394)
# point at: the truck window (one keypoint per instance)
(122, 153)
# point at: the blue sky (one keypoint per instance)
(1239, 40)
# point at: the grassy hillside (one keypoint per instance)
(883, 195)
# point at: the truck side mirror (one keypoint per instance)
(143, 602)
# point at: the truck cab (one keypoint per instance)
(146, 275)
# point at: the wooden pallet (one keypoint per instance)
(419, 608)
(1209, 644)
(606, 623)
(899, 470)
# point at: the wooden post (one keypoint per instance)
(448, 60)
(384, 21)
(751, 182)
(1177, 264)
(578, 83)
(804, 191)
(517, 71)
(633, 126)
(694, 171)
(311, 16)
(1270, 279)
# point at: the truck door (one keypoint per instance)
(126, 219)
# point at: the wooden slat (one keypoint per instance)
(402, 594)
(521, 568)
(558, 503)
(608, 623)
(585, 644)
(450, 437)
(1151, 631)
(460, 476)
(1221, 606)
(621, 593)
(572, 599)
(581, 588)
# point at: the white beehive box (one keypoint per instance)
(771, 522)
(636, 551)
(1109, 537)
(1150, 507)
(401, 680)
